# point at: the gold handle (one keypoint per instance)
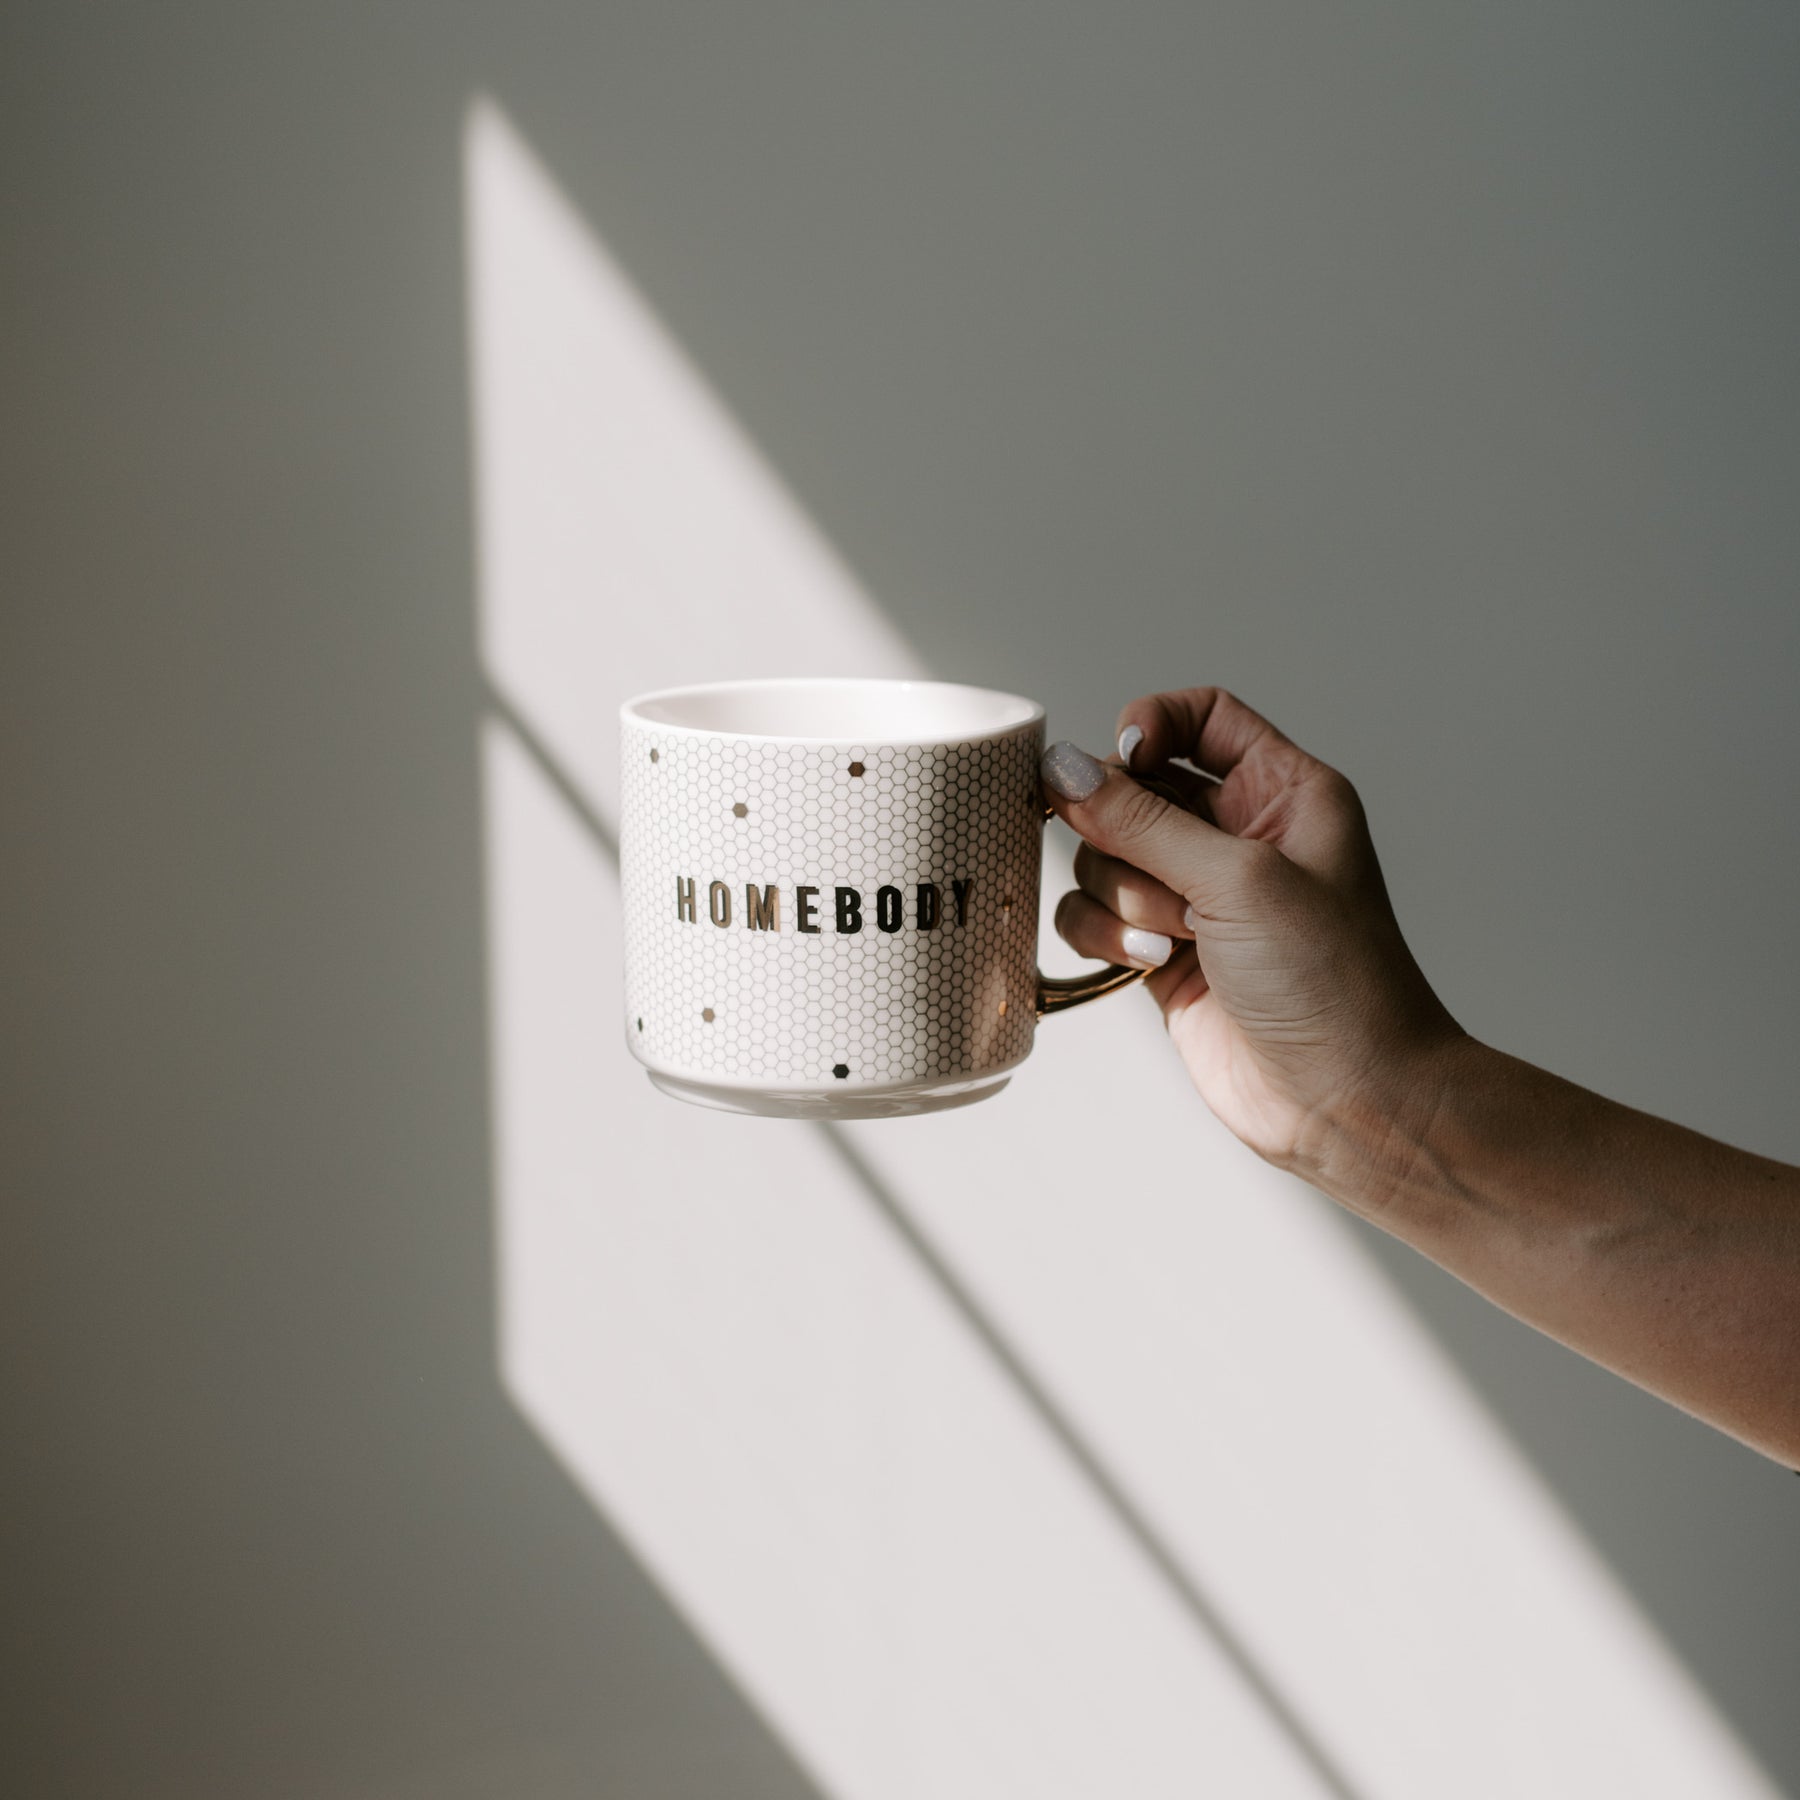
(1057, 993)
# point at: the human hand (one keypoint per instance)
(1306, 1025)
(1285, 984)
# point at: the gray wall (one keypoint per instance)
(1428, 374)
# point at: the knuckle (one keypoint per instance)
(1346, 826)
(1135, 816)
(1337, 791)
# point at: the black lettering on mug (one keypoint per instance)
(762, 912)
(762, 905)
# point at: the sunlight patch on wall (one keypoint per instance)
(789, 1424)
(1150, 1479)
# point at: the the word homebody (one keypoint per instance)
(762, 909)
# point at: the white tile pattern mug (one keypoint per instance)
(831, 894)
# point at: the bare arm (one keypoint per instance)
(1309, 1029)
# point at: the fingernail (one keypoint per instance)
(1129, 739)
(1071, 771)
(1191, 919)
(1149, 949)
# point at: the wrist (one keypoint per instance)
(1380, 1147)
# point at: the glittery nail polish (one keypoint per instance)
(1069, 771)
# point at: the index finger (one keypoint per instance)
(1210, 727)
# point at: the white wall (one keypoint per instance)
(1430, 379)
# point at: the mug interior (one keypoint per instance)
(831, 710)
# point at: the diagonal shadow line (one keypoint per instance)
(1120, 1504)
(1124, 1510)
(550, 768)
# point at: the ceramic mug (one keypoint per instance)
(831, 894)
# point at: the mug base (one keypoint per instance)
(851, 1103)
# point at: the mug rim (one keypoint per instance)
(629, 713)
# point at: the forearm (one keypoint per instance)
(1670, 1258)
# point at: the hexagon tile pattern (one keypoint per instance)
(890, 996)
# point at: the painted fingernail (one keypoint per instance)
(1191, 919)
(1129, 739)
(1148, 949)
(1071, 772)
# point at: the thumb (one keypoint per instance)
(1117, 815)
